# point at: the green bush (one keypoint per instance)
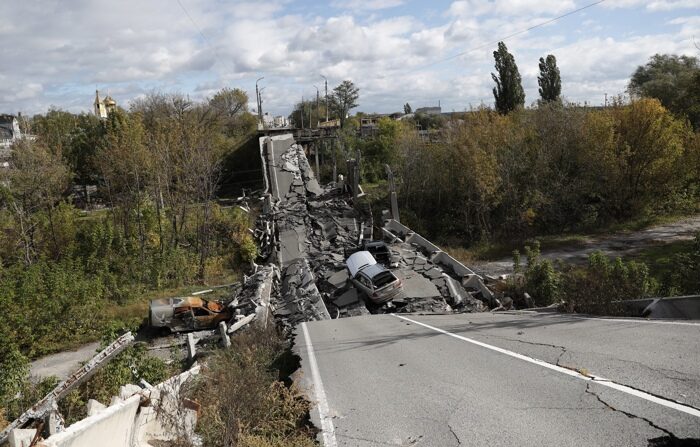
(603, 284)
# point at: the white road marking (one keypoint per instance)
(327, 428)
(580, 317)
(569, 372)
(629, 320)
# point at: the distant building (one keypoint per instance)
(280, 121)
(9, 133)
(369, 125)
(268, 120)
(103, 106)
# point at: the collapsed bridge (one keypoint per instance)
(309, 230)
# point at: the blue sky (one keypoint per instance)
(55, 53)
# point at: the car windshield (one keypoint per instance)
(383, 279)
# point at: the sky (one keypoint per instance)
(56, 53)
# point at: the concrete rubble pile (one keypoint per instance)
(249, 303)
(288, 217)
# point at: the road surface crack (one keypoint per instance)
(459, 442)
(548, 345)
(629, 415)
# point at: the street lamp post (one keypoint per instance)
(258, 98)
(326, 80)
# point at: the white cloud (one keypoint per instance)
(366, 5)
(654, 5)
(55, 54)
(475, 8)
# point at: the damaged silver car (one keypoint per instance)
(374, 280)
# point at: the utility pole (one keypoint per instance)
(301, 112)
(326, 80)
(259, 98)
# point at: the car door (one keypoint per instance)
(203, 318)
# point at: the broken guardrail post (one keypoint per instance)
(224, 335)
(191, 348)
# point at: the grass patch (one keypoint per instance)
(660, 258)
(499, 250)
(244, 399)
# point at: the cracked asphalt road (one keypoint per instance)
(394, 382)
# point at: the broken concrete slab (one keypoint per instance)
(339, 279)
(351, 296)
(417, 286)
(433, 273)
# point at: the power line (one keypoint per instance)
(204, 37)
(199, 30)
(488, 44)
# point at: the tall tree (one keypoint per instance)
(672, 80)
(549, 79)
(407, 108)
(35, 181)
(508, 93)
(344, 99)
(230, 107)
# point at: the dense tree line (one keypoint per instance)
(552, 169)
(64, 271)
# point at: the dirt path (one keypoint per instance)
(620, 244)
(62, 364)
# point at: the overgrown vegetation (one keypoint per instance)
(600, 285)
(19, 392)
(244, 399)
(154, 224)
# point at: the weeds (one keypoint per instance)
(244, 399)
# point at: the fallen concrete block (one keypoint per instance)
(21, 437)
(475, 283)
(457, 292)
(128, 390)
